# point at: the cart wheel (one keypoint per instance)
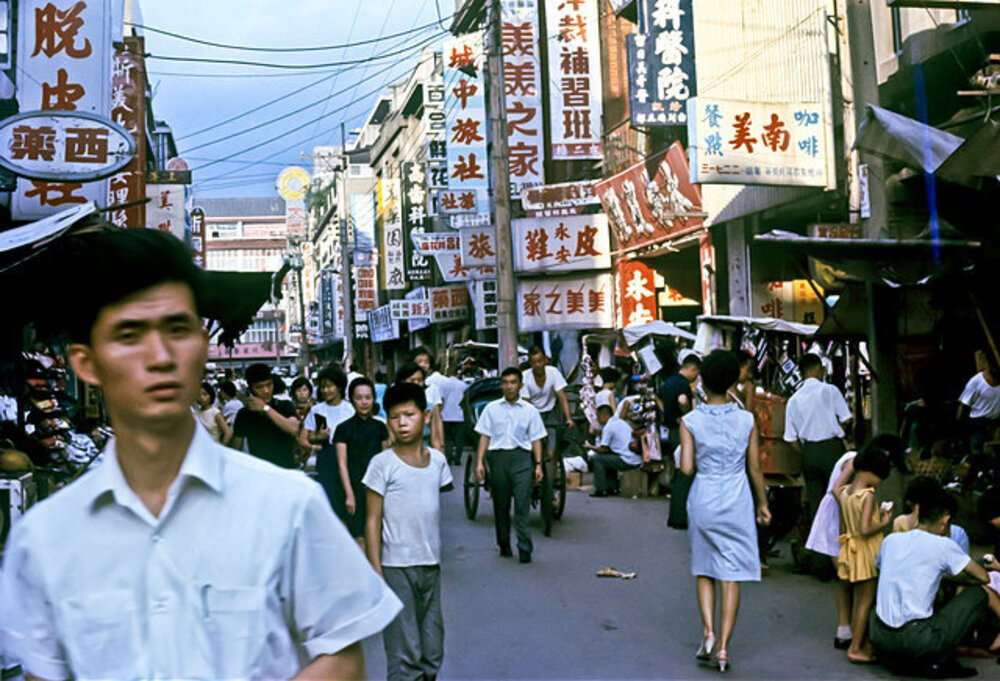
(559, 488)
(471, 489)
(548, 501)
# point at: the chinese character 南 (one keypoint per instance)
(518, 116)
(466, 131)
(775, 136)
(671, 48)
(518, 39)
(464, 91)
(86, 145)
(574, 62)
(64, 191)
(576, 124)
(56, 31)
(667, 11)
(713, 144)
(33, 144)
(468, 168)
(636, 287)
(63, 95)
(585, 242)
(742, 136)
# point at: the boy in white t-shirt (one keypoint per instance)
(403, 534)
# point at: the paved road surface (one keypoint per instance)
(554, 619)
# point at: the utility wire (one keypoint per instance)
(248, 48)
(350, 34)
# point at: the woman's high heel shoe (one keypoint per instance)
(705, 651)
(722, 663)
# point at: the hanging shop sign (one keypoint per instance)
(393, 252)
(419, 294)
(410, 308)
(166, 209)
(437, 243)
(651, 201)
(448, 303)
(585, 302)
(435, 135)
(471, 221)
(382, 326)
(522, 67)
(365, 290)
(567, 198)
(127, 187)
(793, 301)
(453, 270)
(743, 142)
(661, 63)
(363, 221)
(198, 237)
(576, 242)
(485, 304)
(636, 285)
(479, 247)
(327, 308)
(461, 201)
(575, 104)
(415, 220)
(465, 111)
(64, 59)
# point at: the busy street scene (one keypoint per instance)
(499, 339)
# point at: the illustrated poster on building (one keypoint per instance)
(737, 142)
(465, 111)
(636, 293)
(393, 252)
(562, 244)
(585, 302)
(575, 102)
(652, 200)
(63, 64)
(448, 303)
(381, 324)
(479, 247)
(661, 63)
(415, 220)
(485, 304)
(166, 209)
(128, 109)
(522, 67)
(365, 290)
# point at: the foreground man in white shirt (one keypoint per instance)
(177, 558)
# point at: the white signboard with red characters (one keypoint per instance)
(465, 112)
(522, 67)
(166, 209)
(585, 302)
(479, 247)
(562, 244)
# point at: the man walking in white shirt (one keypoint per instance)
(176, 558)
(815, 419)
(510, 434)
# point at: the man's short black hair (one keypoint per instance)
(937, 505)
(745, 357)
(228, 389)
(512, 371)
(258, 373)
(919, 490)
(605, 408)
(401, 393)
(719, 371)
(299, 382)
(407, 370)
(109, 266)
(536, 350)
(609, 375)
(358, 383)
(335, 375)
(691, 360)
(810, 362)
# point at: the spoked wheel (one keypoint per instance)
(547, 501)
(559, 489)
(471, 489)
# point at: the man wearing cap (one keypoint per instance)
(268, 426)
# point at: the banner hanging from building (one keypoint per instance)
(128, 109)
(363, 221)
(636, 293)
(198, 237)
(736, 142)
(652, 201)
(585, 302)
(64, 59)
(327, 305)
(415, 220)
(576, 242)
(479, 247)
(661, 63)
(575, 102)
(383, 327)
(522, 68)
(435, 137)
(167, 209)
(465, 111)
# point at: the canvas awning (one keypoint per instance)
(634, 334)
(762, 323)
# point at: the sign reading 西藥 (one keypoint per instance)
(418, 267)
(661, 63)
(479, 247)
(448, 303)
(585, 302)
(382, 325)
(522, 89)
(576, 242)
(652, 200)
(465, 111)
(567, 198)
(636, 293)
(486, 304)
(735, 142)
(575, 106)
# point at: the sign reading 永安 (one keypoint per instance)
(736, 142)
(585, 302)
(661, 63)
(448, 303)
(522, 89)
(575, 105)
(575, 242)
(636, 293)
(465, 111)
(418, 267)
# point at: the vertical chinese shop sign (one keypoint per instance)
(575, 108)
(128, 109)
(418, 267)
(661, 63)
(522, 89)
(64, 64)
(465, 112)
(636, 293)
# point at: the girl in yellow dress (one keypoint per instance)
(863, 525)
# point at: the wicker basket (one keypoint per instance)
(936, 467)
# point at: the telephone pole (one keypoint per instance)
(500, 170)
(346, 300)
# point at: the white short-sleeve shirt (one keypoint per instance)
(334, 415)
(510, 425)
(617, 436)
(411, 507)
(543, 398)
(244, 558)
(433, 395)
(816, 413)
(982, 399)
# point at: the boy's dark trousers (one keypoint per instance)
(414, 641)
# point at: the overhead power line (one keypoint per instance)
(250, 48)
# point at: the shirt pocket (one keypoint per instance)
(233, 620)
(102, 637)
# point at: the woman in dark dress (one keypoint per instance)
(342, 466)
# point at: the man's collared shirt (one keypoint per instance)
(246, 573)
(617, 436)
(815, 413)
(510, 425)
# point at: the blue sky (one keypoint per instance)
(190, 103)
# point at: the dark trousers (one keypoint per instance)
(454, 440)
(414, 641)
(511, 477)
(917, 644)
(818, 460)
(605, 464)
(680, 487)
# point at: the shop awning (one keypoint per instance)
(762, 323)
(848, 318)
(884, 250)
(635, 334)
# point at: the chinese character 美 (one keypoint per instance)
(519, 78)
(575, 302)
(742, 136)
(87, 145)
(596, 300)
(523, 159)
(810, 145)
(585, 242)
(775, 135)
(65, 190)
(458, 269)
(468, 168)
(63, 95)
(34, 144)
(537, 244)
(56, 31)
(464, 91)
(522, 115)
(576, 124)
(466, 131)
(518, 39)
(480, 247)
(713, 144)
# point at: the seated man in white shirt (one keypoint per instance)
(176, 558)
(908, 635)
(614, 451)
(980, 401)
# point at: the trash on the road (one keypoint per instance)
(617, 574)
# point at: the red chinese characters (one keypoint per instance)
(579, 303)
(577, 242)
(522, 90)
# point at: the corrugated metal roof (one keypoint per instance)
(242, 207)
